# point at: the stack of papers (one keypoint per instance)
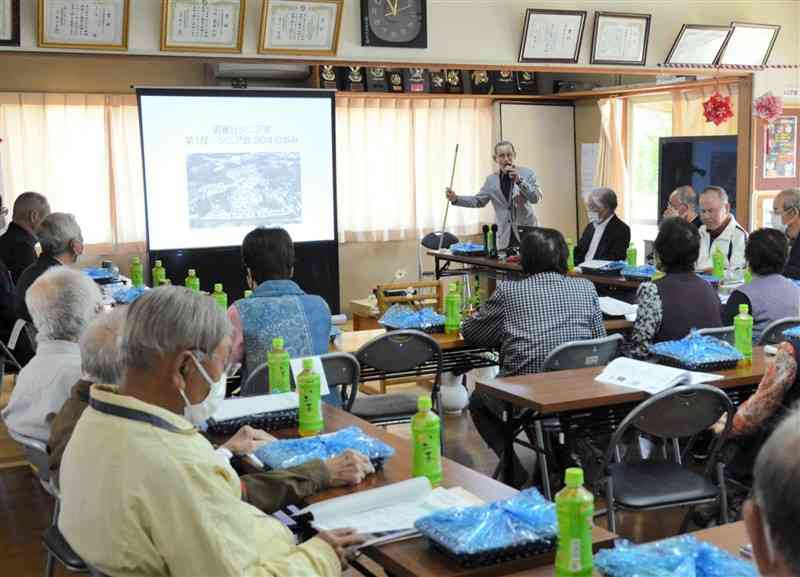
(617, 308)
(389, 512)
(649, 377)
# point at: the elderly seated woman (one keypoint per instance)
(672, 306)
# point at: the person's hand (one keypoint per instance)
(349, 468)
(451, 194)
(719, 426)
(341, 540)
(246, 440)
(513, 173)
(670, 212)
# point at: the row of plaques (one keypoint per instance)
(360, 79)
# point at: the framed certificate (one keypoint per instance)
(9, 22)
(202, 25)
(303, 27)
(698, 44)
(89, 24)
(552, 35)
(620, 38)
(749, 44)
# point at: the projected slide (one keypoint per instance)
(217, 166)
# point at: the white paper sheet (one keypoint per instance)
(235, 408)
(649, 377)
(617, 308)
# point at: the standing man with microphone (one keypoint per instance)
(512, 190)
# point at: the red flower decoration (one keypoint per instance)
(768, 107)
(717, 108)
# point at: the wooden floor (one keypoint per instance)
(25, 509)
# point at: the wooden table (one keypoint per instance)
(414, 557)
(728, 537)
(443, 259)
(574, 394)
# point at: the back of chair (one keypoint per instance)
(342, 371)
(582, 354)
(722, 333)
(678, 413)
(256, 383)
(36, 453)
(425, 293)
(773, 332)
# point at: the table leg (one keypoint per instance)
(508, 450)
(542, 457)
(436, 267)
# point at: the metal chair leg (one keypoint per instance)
(612, 520)
(49, 565)
(723, 494)
(543, 469)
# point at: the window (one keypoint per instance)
(649, 120)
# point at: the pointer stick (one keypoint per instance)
(447, 207)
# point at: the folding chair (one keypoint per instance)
(723, 333)
(773, 332)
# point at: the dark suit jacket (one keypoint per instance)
(7, 314)
(613, 244)
(792, 268)
(27, 278)
(16, 250)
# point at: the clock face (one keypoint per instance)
(396, 21)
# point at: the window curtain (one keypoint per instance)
(394, 160)
(611, 170)
(82, 151)
(687, 112)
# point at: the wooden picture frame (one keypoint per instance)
(219, 15)
(777, 164)
(748, 40)
(693, 37)
(563, 27)
(59, 34)
(9, 22)
(329, 10)
(620, 38)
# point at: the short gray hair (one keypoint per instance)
(101, 359)
(718, 190)
(776, 478)
(504, 143)
(168, 320)
(28, 201)
(57, 231)
(791, 198)
(605, 197)
(686, 195)
(62, 301)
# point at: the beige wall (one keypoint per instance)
(488, 31)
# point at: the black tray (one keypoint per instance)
(430, 330)
(702, 367)
(468, 252)
(601, 271)
(497, 556)
(273, 421)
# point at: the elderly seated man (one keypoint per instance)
(719, 231)
(62, 302)
(606, 237)
(101, 362)
(177, 509)
(771, 517)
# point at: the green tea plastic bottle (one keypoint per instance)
(278, 365)
(570, 255)
(220, 297)
(192, 281)
(309, 413)
(426, 442)
(630, 256)
(137, 272)
(452, 310)
(743, 333)
(574, 510)
(718, 264)
(159, 274)
(248, 293)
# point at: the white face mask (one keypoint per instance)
(198, 414)
(594, 216)
(777, 222)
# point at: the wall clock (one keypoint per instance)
(394, 23)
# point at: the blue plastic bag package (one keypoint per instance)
(127, 295)
(287, 453)
(697, 351)
(527, 519)
(682, 556)
(406, 317)
(467, 248)
(644, 272)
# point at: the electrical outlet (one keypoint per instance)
(400, 274)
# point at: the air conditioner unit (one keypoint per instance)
(263, 72)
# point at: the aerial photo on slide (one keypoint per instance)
(244, 189)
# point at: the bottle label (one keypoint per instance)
(427, 454)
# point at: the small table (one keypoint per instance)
(574, 395)
(415, 557)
